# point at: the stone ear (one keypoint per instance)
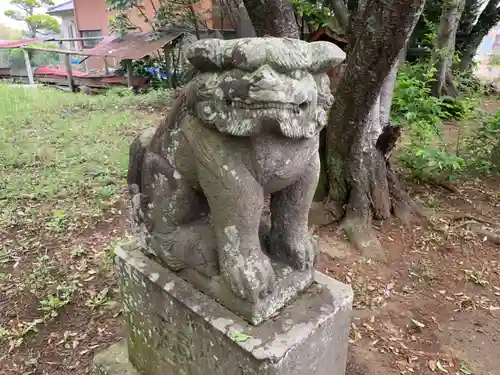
(324, 55)
(207, 55)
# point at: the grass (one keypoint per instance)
(63, 164)
(63, 157)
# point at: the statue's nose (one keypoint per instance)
(266, 79)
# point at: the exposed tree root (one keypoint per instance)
(473, 218)
(374, 192)
(483, 232)
(359, 231)
(447, 185)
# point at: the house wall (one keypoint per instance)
(93, 15)
(490, 44)
(69, 30)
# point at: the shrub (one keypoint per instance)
(426, 156)
(482, 148)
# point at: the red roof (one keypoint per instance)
(133, 45)
(57, 72)
(19, 43)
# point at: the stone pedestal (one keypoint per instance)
(174, 329)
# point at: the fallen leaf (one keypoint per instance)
(432, 364)
(464, 368)
(239, 336)
(440, 367)
(417, 323)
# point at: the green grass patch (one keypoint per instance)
(63, 156)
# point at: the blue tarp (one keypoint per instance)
(158, 72)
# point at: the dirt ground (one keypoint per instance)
(432, 306)
(434, 303)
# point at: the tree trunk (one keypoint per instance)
(468, 44)
(273, 17)
(445, 44)
(362, 182)
(341, 13)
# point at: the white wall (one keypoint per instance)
(68, 30)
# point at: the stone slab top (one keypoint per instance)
(271, 339)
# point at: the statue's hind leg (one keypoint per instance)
(171, 216)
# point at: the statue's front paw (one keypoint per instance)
(249, 277)
(299, 251)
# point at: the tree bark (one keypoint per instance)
(273, 17)
(445, 44)
(362, 183)
(341, 13)
(468, 45)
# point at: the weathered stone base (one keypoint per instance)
(114, 361)
(289, 284)
(172, 328)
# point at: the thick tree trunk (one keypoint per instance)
(273, 17)
(469, 43)
(358, 142)
(445, 45)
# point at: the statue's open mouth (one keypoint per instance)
(292, 107)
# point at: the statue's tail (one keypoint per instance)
(143, 142)
(136, 157)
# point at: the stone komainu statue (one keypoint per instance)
(247, 126)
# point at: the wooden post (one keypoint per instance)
(106, 66)
(129, 72)
(28, 67)
(69, 72)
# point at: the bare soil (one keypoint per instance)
(434, 303)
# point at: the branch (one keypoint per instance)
(139, 8)
(153, 5)
(131, 23)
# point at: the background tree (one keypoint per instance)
(470, 33)
(7, 33)
(362, 183)
(275, 18)
(311, 15)
(181, 14)
(26, 10)
(445, 47)
(360, 137)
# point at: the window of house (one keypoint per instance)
(90, 34)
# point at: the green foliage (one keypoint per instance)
(494, 60)
(38, 58)
(56, 301)
(25, 10)
(41, 275)
(8, 33)
(97, 300)
(43, 22)
(482, 148)
(178, 13)
(315, 13)
(427, 155)
(427, 163)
